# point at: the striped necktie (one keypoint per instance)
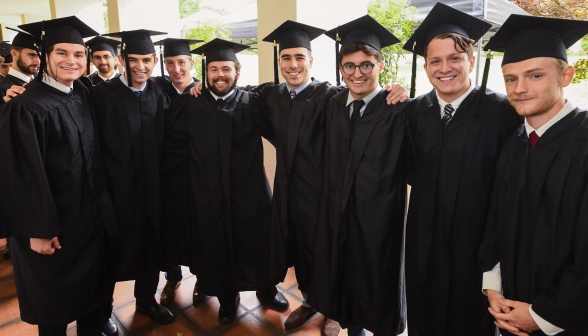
(292, 94)
(447, 114)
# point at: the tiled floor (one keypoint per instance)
(253, 318)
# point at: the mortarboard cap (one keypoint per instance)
(100, 43)
(136, 41)
(5, 51)
(364, 30)
(522, 37)
(63, 30)
(25, 40)
(176, 46)
(218, 50)
(291, 34)
(445, 19)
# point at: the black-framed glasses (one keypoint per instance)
(365, 68)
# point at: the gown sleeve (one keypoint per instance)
(27, 206)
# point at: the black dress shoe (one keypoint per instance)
(227, 314)
(157, 313)
(276, 301)
(110, 328)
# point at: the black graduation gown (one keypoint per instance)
(166, 84)
(53, 186)
(230, 198)
(357, 271)
(451, 187)
(298, 134)
(538, 223)
(131, 132)
(6, 83)
(95, 79)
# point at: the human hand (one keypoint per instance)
(196, 90)
(45, 246)
(398, 93)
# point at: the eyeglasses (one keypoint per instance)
(365, 68)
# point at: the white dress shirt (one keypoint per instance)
(107, 79)
(20, 75)
(455, 104)
(54, 83)
(367, 99)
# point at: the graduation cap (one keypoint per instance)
(26, 40)
(291, 34)
(218, 50)
(442, 19)
(174, 47)
(135, 42)
(364, 30)
(63, 30)
(5, 51)
(522, 37)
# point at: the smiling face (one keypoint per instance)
(448, 68)
(66, 62)
(105, 62)
(222, 77)
(27, 60)
(358, 83)
(535, 87)
(295, 65)
(141, 67)
(178, 68)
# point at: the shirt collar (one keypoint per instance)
(568, 107)
(300, 88)
(107, 79)
(54, 83)
(180, 92)
(124, 81)
(367, 99)
(13, 72)
(223, 97)
(455, 104)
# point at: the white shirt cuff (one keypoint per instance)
(492, 280)
(546, 327)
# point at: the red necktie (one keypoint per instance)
(533, 138)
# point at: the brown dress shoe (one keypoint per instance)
(330, 328)
(298, 317)
(168, 294)
(197, 297)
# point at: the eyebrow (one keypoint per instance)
(526, 72)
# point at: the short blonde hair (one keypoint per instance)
(1, 59)
(561, 65)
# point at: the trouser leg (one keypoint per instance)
(52, 330)
(92, 323)
(355, 330)
(227, 299)
(174, 273)
(145, 288)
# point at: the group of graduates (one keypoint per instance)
(113, 177)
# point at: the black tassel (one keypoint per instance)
(161, 59)
(203, 71)
(486, 71)
(276, 78)
(337, 74)
(89, 51)
(126, 57)
(414, 69)
(43, 57)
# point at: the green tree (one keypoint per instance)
(206, 31)
(398, 16)
(188, 7)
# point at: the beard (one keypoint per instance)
(27, 69)
(224, 92)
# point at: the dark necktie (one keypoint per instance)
(138, 93)
(447, 114)
(533, 138)
(292, 94)
(355, 117)
(220, 102)
(70, 91)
